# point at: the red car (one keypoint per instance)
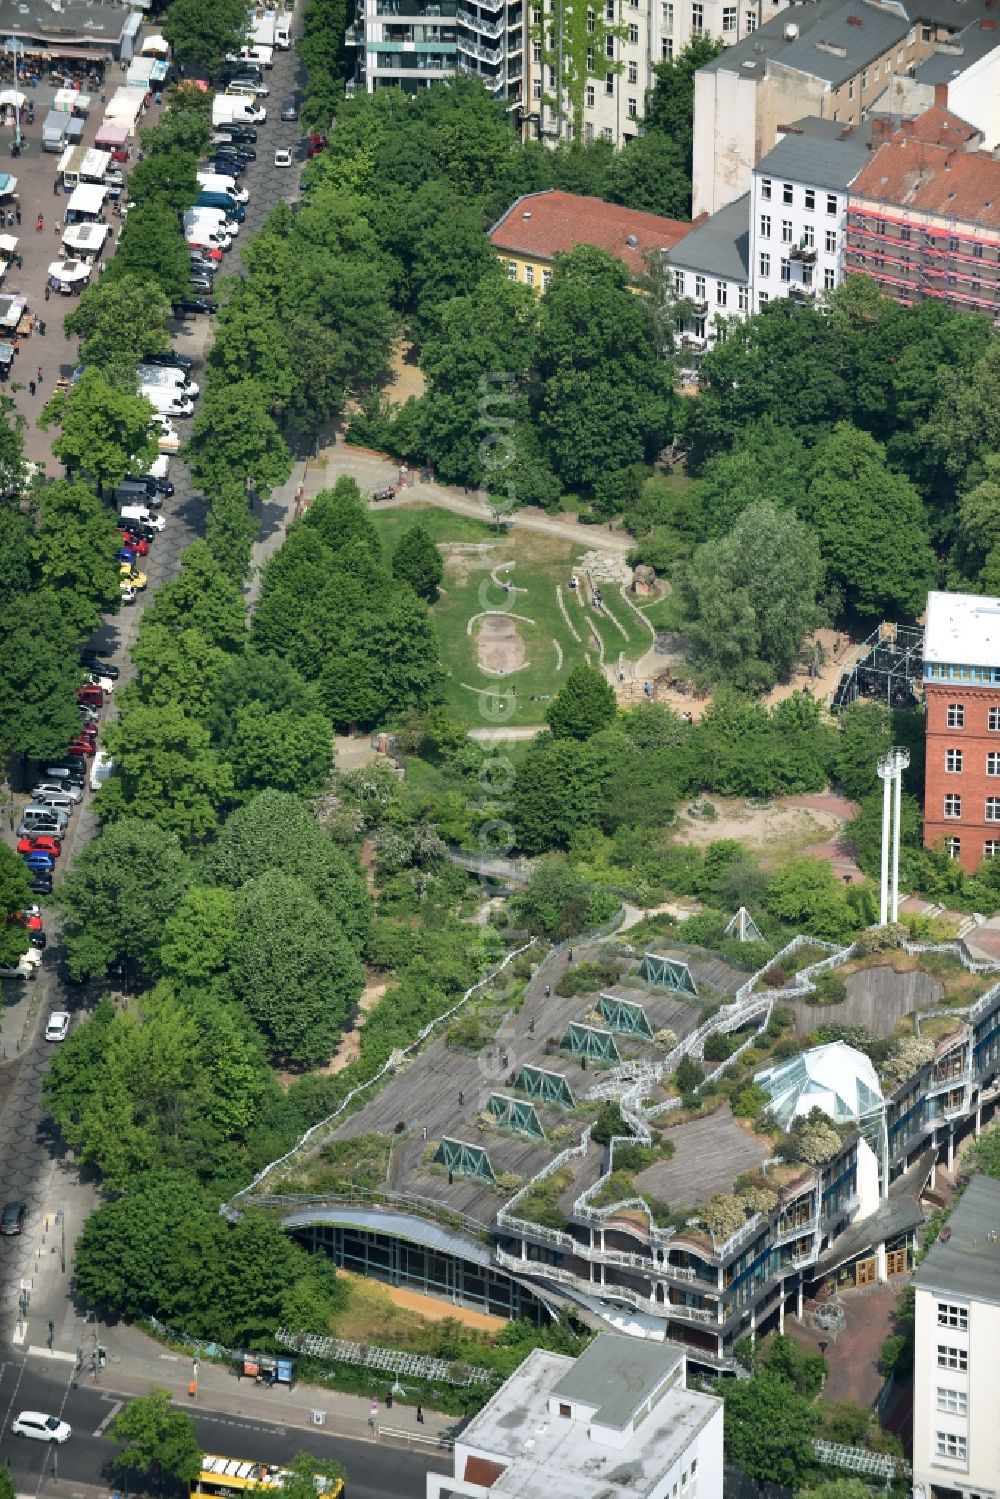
(42, 843)
(83, 747)
(315, 144)
(91, 695)
(135, 543)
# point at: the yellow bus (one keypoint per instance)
(231, 1477)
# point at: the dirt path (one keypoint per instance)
(431, 1308)
(349, 1049)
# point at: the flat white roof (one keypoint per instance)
(547, 1455)
(87, 198)
(962, 629)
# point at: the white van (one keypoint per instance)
(213, 219)
(221, 182)
(199, 229)
(140, 513)
(168, 399)
(263, 56)
(282, 33)
(168, 378)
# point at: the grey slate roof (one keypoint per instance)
(74, 23)
(616, 1374)
(966, 1260)
(826, 163)
(720, 246)
(973, 43)
(827, 21)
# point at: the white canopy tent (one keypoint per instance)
(87, 198)
(70, 270)
(8, 244)
(158, 46)
(68, 100)
(12, 98)
(85, 239)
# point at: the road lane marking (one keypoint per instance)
(106, 1422)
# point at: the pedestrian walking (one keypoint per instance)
(420, 1415)
(388, 1400)
(41, 327)
(48, 291)
(39, 224)
(55, 188)
(10, 218)
(31, 386)
(38, 377)
(17, 213)
(58, 227)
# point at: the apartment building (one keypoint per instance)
(923, 217)
(825, 58)
(616, 1423)
(798, 206)
(962, 75)
(956, 1369)
(404, 44)
(539, 226)
(711, 267)
(962, 693)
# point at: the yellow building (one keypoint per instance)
(540, 226)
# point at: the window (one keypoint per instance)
(632, 109)
(536, 52)
(512, 270)
(952, 1358)
(743, 298)
(536, 88)
(953, 847)
(667, 48)
(529, 275)
(699, 288)
(609, 84)
(953, 805)
(679, 283)
(552, 78)
(850, 89)
(954, 1402)
(721, 293)
(875, 74)
(590, 59)
(765, 189)
(993, 764)
(765, 266)
(807, 275)
(864, 78)
(993, 809)
(829, 278)
(808, 237)
(633, 72)
(633, 36)
(668, 17)
(609, 10)
(762, 299)
(536, 16)
(591, 22)
(547, 275)
(607, 134)
(786, 231)
(810, 197)
(565, 1410)
(925, 33)
(765, 226)
(697, 20)
(991, 848)
(589, 96)
(785, 269)
(949, 1444)
(787, 193)
(609, 48)
(831, 204)
(751, 22)
(956, 715)
(830, 242)
(953, 761)
(993, 721)
(729, 18)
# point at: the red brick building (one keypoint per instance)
(923, 217)
(962, 693)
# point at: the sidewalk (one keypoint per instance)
(136, 1363)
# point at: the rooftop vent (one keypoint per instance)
(526, 214)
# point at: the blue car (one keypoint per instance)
(125, 554)
(39, 862)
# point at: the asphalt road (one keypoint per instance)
(374, 1472)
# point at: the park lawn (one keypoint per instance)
(471, 550)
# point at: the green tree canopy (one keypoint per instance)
(157, 1437)
(151, 249)
(39, 675)
(584, 704)
(235, 433)
(200, 34)
(768, 1428)
(105, 432)
(75, 542)
(417, 561)
(15, 896)
(865, 735)
(203, 597)
(168, 177)
(750, 597)
(118, 318)
(167, 772)
(115, 900)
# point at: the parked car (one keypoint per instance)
(89, 746)
(127, 592)
(23, 969)
(171, 359)
(40, 843)
(235, 149)
(100, 663)
(133, 542)
(37, 862)
(40, 884)
(12, 1218)
(185, 306)
(58, 1026)
(282, 156)
(43, 1428)
(126, 555)
(130, 574)
(315, 144)
(290, 109)
(38, 940)
(56, 791)
(237, 131)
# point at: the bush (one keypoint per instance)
(688, 1076)
(750, 1102)
(718, 1047)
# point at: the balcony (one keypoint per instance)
(805, 253)
(354, 36)
(479, 24)
(491, 55)
(802, 293)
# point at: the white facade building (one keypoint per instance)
(616, 1423)
(798, 208)
(956, 1393)
(712, 274)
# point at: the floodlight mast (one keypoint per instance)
(890, 770)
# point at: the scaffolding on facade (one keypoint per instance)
(889, 668)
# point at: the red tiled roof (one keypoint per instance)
(928, 166)
(482, 1471)
(543, 224)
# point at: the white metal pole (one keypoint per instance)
(884, 898)
(897, 781)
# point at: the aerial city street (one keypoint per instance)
(500, 823)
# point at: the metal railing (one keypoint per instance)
(400, 1202)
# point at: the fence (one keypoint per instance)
(386, 1360)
